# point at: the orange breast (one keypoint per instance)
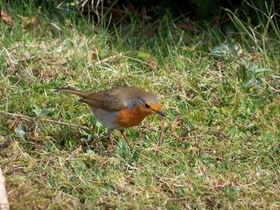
(128, 118)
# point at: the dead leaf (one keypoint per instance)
(95, 56)
(6, 18)
(6, 144)
(149, 59)
(29, 22)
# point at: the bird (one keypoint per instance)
(119, 108)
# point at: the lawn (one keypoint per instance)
(220, 92)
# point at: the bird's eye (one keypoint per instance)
(147, 106)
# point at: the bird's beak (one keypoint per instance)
(161, 113)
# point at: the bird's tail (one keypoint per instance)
(73, 91)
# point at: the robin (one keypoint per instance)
(119, 108)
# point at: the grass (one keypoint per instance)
(221, 95)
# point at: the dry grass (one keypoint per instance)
(221, 142)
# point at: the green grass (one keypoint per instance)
(221, 95)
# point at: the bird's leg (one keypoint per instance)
(111, 140)
(123, 134)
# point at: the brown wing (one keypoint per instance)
(109, 100)
(113, 99)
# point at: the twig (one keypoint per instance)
(160, 137)
(140, 61)
(19, 115)
(107, 59)
(6, 144)
(119, 56)
(146, 128)
(51, 121)
(67, 124)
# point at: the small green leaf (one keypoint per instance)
(91, 152)
(261, 70)
(39, 112)
(137, 154)
(21, 131)
(225, 50)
